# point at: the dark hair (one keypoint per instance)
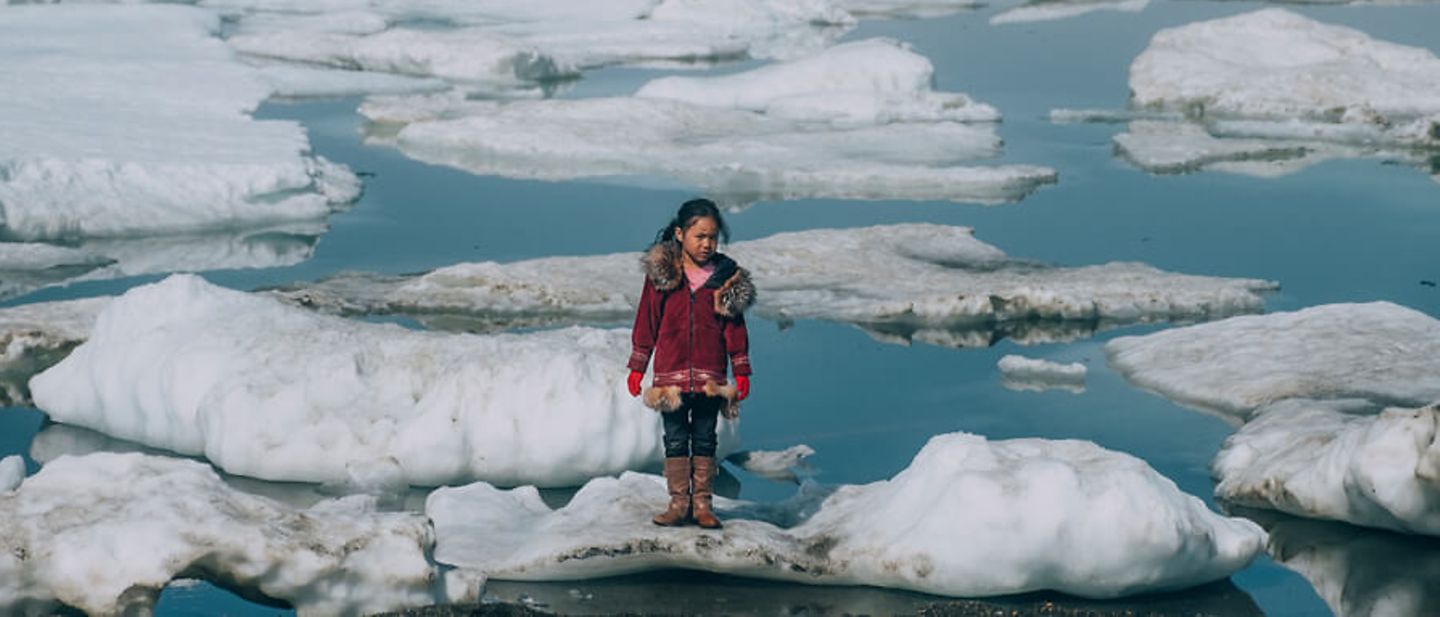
(689, 211)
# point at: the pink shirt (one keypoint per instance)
(698, 276)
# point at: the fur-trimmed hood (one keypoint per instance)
(734, 292)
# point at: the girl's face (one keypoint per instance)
(698, 241)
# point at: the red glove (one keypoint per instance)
(634, 382)
(742, 384)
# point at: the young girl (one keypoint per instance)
(691, 317)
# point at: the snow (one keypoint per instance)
(968, 517)
(281, 393)
(1031, 374)
(1310, 459)
(925, 278)
(104, 533)
(12, 472)
(1277, 64)
(857, 121)
(35, 336)
(178, 152)
(1378, 351)
(299, 82)
(1050, 10)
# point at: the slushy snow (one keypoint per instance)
(855, 121)
(105, 533)
(12, 472)
(276, 392)
(1379, 352)
(1032, 374)
(968, 517)
(177, 152)
(1310, 459)
(915, 278)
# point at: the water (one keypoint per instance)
(1342, 231)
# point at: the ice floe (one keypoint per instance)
(1031, 374)
(105, 533)
(1051, 10)
(1310, 459)
(177, 152)
(855, 121)
(1270, 92)
(281, 393)
(12, 472)
(779, 465)
(1380, 352)
(35, 336)
(909, 280)
(968, 517)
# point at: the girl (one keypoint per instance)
(691, 316)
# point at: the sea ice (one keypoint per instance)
(773, 465)
(105, 533)
(916, 278)
(906, 8)
(1050, 10)
(1379, 352)
(35, 336)
(856, 121)
(968, 517)
(1277, 64)
(1310, 459)
(177, 152)
(281, 393)
(12, 472)
(1030, 374)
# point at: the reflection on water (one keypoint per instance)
(1358, 571)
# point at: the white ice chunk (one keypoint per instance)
(129, 120)
(1051, 10)
(968, 517)
(12, 473)
(1021, 373)
(1379, 351)
(1264, 149)
(874, 81)
(1310, 460)
(858, 121)
(1277, 64)
(105, 533)
(281, 393)
(776, 465)
(299, 81)
(35, 336)
(466, 54)
(910, 275)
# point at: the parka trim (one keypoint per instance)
(666, 399)
(734, 291)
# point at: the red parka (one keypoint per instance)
(691, 334)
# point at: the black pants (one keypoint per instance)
(690, 430)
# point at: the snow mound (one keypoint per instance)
(12, 473)
(281, 393)
(105, 533)
(968, 517)
(1309, 459)
(35, 336)
(178, 152)
(1277, 64)
(1030, 374)
(1379, 352)
(857, 121)
(913, 278)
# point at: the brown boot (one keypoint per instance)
(701, 478)
(677, 481)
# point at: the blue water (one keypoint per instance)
(1342, 231)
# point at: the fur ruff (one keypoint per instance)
(667, 398)
(663, 266)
